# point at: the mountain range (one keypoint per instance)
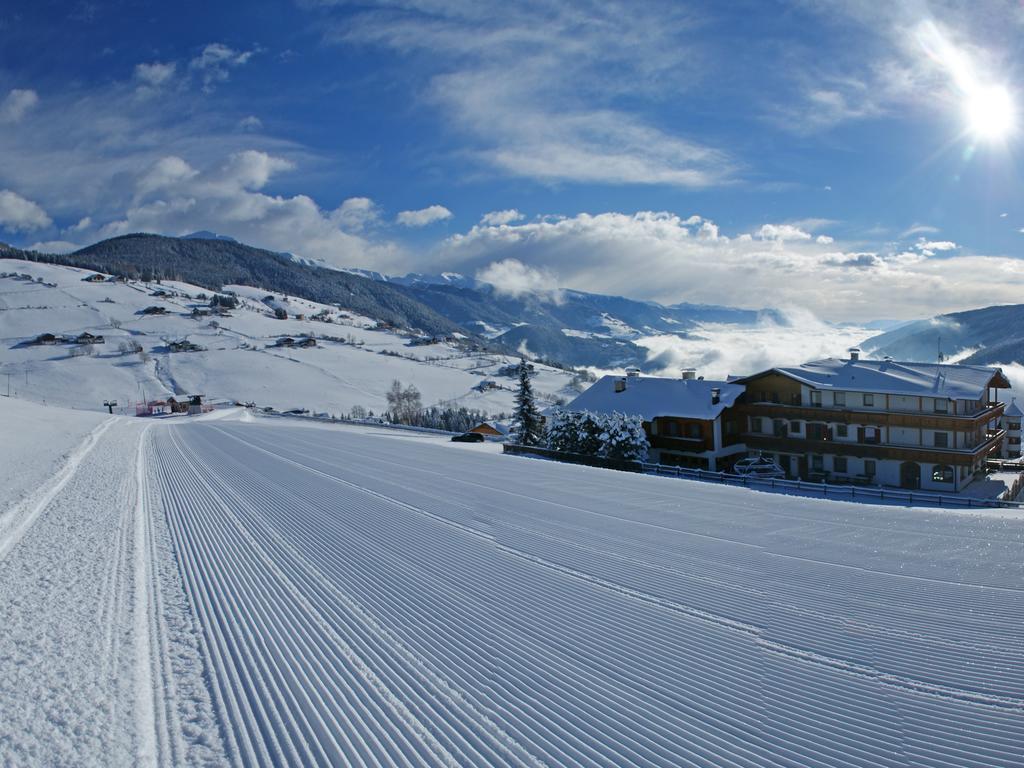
(987, 336)
(568, 327)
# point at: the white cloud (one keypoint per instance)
(20, 215)
(542, 100)
(936, 245)
(167, 172)
(84, 223)
(250, 123)
(357, 213)
(497, 218)
(919, 229)
(17, 104)
(215, 63)
(175, 197)
(782, 232)
(54, 246)
(423, 216)
(824, 239)
(661, 256)
(510, 277)
(156, 74)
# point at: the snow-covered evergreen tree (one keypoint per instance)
(526, 425)
(564, 431)
(624, 438)
(614, 436)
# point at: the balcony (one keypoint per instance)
(876, 451)
(869, 417)
(687, 444)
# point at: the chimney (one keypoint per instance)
(716, 394)
(689, 374)
(888, 358)
(620, 385)
(854, 354)
(632, 373)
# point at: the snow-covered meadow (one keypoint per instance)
(239, 361)
(259, 592)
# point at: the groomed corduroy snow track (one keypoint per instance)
(363, 599)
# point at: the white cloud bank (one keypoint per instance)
(669, 258)
(511, 277)
(20, 215)
(423, 216)
(173, 197)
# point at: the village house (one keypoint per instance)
(491, 429)
(912, 425)
(87, 338)
(689, 422)
(48, 338)
(96, 278)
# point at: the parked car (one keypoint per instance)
(468, 437)
(759, 466)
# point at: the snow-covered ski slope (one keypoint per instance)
(239, 359)
(375, 600)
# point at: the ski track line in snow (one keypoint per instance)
(143, 616)
(388, 588)
(20, 519)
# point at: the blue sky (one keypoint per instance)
(821, 155)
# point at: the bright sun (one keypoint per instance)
(990, 112)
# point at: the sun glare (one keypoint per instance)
(990, 113)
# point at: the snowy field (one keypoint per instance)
(260, 593)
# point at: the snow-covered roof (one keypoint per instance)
(964, 382)
(650, 397)
(1013, 409)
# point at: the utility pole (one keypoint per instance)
(110, 406)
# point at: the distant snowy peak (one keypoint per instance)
(453, 279)
(205, 234)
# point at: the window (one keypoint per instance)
(794, 426)
(671, 429)
(1013, 426)
(693, 431)
(871, 435)
(869, 467)
(1013, 440)
(839, 464)
(817, 463)
(869, 401)
(730, 427)
(816, 431)
(755, 423)
(816, 399)
(941, 406)
(779, 428)
(942, 473)
(842, 430)
(941, 440)
(839, 398)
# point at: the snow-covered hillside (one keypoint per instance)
(352, 364)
